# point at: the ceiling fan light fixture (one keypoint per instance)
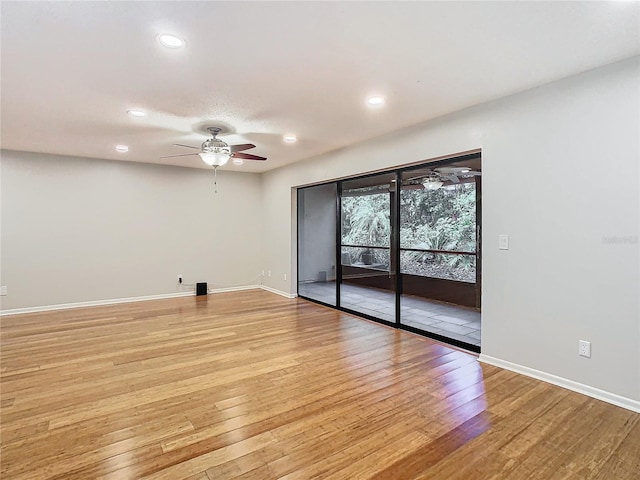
(215, 152)
(432, 183)
(122, 148)
(215, 159)
(170, 41)
(290, 138)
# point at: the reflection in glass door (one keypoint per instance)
(367, 267)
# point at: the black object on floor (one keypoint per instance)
(201, 288)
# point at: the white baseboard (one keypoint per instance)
(279, 292)
(233, 289)
(113, 301)
(618, 400)
(92, 303)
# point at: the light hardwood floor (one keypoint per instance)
(253, 385)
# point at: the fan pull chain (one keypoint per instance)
(215, 179)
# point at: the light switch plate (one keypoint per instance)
(503, 242)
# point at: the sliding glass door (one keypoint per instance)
(406, 246)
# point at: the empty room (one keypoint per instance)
(320, 240)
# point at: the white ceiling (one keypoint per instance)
(70, 71)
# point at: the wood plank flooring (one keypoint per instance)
(250, 385)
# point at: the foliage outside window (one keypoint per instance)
(365, 223)
(443, 219)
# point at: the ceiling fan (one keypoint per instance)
(452, 173)
(434, 179)
(215, 152)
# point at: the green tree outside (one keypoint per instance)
(443, 219)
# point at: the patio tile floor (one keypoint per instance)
(452, 321)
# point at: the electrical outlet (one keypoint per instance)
(180, 278)
(268, 273)
(584, 348)
(285, 277)
(3, 290)
(263, 273)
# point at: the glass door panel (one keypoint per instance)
(438, 253)
(317, 243)
(366, 263)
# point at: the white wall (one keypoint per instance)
(82, 230)
(561, 178)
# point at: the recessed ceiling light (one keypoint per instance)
(122, 148)
(171, 41)
(238, 161)
(290, 138)
(136, 113)
(375, 101)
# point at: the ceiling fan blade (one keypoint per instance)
(183, 155)
(240, 148)
(452, 178)
(248, 156)
(188, 146)
(429, 172)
